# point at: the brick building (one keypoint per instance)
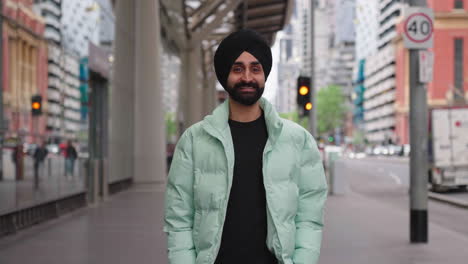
(24, 69)
(450, 80)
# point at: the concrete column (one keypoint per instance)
(191, 90)
(210, 94)
(122, 95)
(149, 138)
(209, 88)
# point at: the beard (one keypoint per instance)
(245, 98)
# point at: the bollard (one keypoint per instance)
(332, 153)
(95, 181)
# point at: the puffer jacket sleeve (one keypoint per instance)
(179, 210)
(313, 192)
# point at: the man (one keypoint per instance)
(70, 157)
(39, 156)
(245, 186)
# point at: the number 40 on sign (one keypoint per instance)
(418, 28)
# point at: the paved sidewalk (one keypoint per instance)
(360, 230)
(128, 229)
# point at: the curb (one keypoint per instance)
(452, 201)
(382, 159)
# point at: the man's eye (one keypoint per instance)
(256, 69)
(237, 69)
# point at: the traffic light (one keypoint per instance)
(303, 95)
(36, 105)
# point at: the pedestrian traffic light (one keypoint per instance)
(36, 105)
(303, 95)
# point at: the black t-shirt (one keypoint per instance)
(245, 228)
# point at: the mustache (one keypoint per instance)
(246, 84)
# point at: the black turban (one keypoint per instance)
(232, 47)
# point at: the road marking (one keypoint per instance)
(395, 177)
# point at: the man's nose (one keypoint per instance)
(247, 76)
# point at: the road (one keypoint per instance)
(387, 180)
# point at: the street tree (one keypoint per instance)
(330, 109)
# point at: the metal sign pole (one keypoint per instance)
(2, 125)
(313, 111)
(418, 141)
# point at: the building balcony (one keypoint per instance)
(53, 8)
(72, 115)
(380, 124)
(55, 70)
(380, 87)
(387, 38)
(52, 34)
(54, 82)
(52, 21)
(53, 95)
(377, 61)
(379, 112)
(392, 9)
(380, 76)
(72, 103)
(379, 100)
(54, 108)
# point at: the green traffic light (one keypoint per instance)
(330, 139)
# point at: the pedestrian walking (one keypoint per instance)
(17, 157)
(245, 186)
(70, 158)
(39, 156)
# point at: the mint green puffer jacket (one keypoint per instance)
(200, 180)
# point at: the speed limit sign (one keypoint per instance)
(418, 28)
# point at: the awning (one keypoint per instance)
(264, 16)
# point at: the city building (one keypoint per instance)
(324, 19)
(81, 23)
(106, 23)
(449, 86)
(380, 80)
(342, 47)
(294, 49)
(51, 12)
(63, 94)
(24, 70)
(303, 35)
(288, 68)
(366, 25)
(324, 25)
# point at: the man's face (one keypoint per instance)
(246, 80)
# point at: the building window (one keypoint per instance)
(458, 4)
(458, 70)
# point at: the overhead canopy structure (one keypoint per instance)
(213, 19)
(264, 16)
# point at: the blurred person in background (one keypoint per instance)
(70, 156)
(17, 157)
(245, 186)
(39, 156)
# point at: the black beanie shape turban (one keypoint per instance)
(232, 47)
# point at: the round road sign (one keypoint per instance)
(419, 28)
